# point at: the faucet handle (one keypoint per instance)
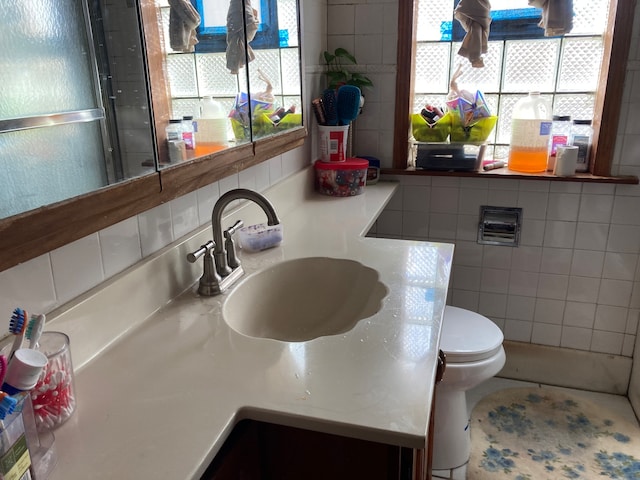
(209, 283)
(193, 257)
(229, 245)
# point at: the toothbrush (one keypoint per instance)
(3, 368)
(7, 404)
(17, 326)
(34, 330)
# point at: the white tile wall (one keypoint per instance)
(572, 282)
(69, 279)
(368, 29)
(120, 246)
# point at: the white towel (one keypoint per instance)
(557, 16)
(475, 18)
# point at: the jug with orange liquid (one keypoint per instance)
(530, 130)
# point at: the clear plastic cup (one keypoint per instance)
(53, 397)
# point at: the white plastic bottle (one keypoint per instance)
(212, 123)
(530, 129)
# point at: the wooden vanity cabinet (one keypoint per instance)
(263, 451)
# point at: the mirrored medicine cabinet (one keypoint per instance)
(92, 86)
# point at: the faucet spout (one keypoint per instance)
(219, 252)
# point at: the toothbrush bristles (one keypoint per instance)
(32, 322)
(7, 405)
(18, 323)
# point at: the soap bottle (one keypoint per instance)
(530, 130)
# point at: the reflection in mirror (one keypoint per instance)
(74, 116)
(103, 65)
(207, 45)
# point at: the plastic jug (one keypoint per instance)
(530, 129)
(211, 124)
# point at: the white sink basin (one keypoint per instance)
(303, 299)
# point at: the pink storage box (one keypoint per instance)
(341, 179)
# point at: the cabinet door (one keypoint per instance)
(294, 454)
(239, 458)
(263, 451)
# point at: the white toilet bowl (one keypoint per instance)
(473, 347)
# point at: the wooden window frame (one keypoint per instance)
(606, 111)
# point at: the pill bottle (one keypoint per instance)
(175, 144)
(560, 131)
(174, 130)
(530, 130)
(188, 133)
(581, 133)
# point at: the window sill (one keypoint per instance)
(506, 173)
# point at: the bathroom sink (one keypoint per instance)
(303, 299)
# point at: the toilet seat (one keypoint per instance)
(468, 336)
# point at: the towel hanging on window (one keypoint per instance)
(236, 43)
(557, 16)
(475, 18)
(183, 21)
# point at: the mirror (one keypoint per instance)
(99, 153)
(74, 117)
(232, 72)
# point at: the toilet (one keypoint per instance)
(474, 353)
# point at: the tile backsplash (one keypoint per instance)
(573, 282)
(46, 282)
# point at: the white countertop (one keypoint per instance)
(158, 395)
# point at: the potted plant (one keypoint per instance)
(338, 75)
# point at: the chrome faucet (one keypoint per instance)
(222, 267)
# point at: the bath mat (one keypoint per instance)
(547, 434)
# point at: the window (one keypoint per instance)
(212, 32)
(565, 69)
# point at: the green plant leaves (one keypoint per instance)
(360, 80)
(337, 78)
(337, 75)
(328, 57)
(343, 53)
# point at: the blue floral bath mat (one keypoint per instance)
(547, 434)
